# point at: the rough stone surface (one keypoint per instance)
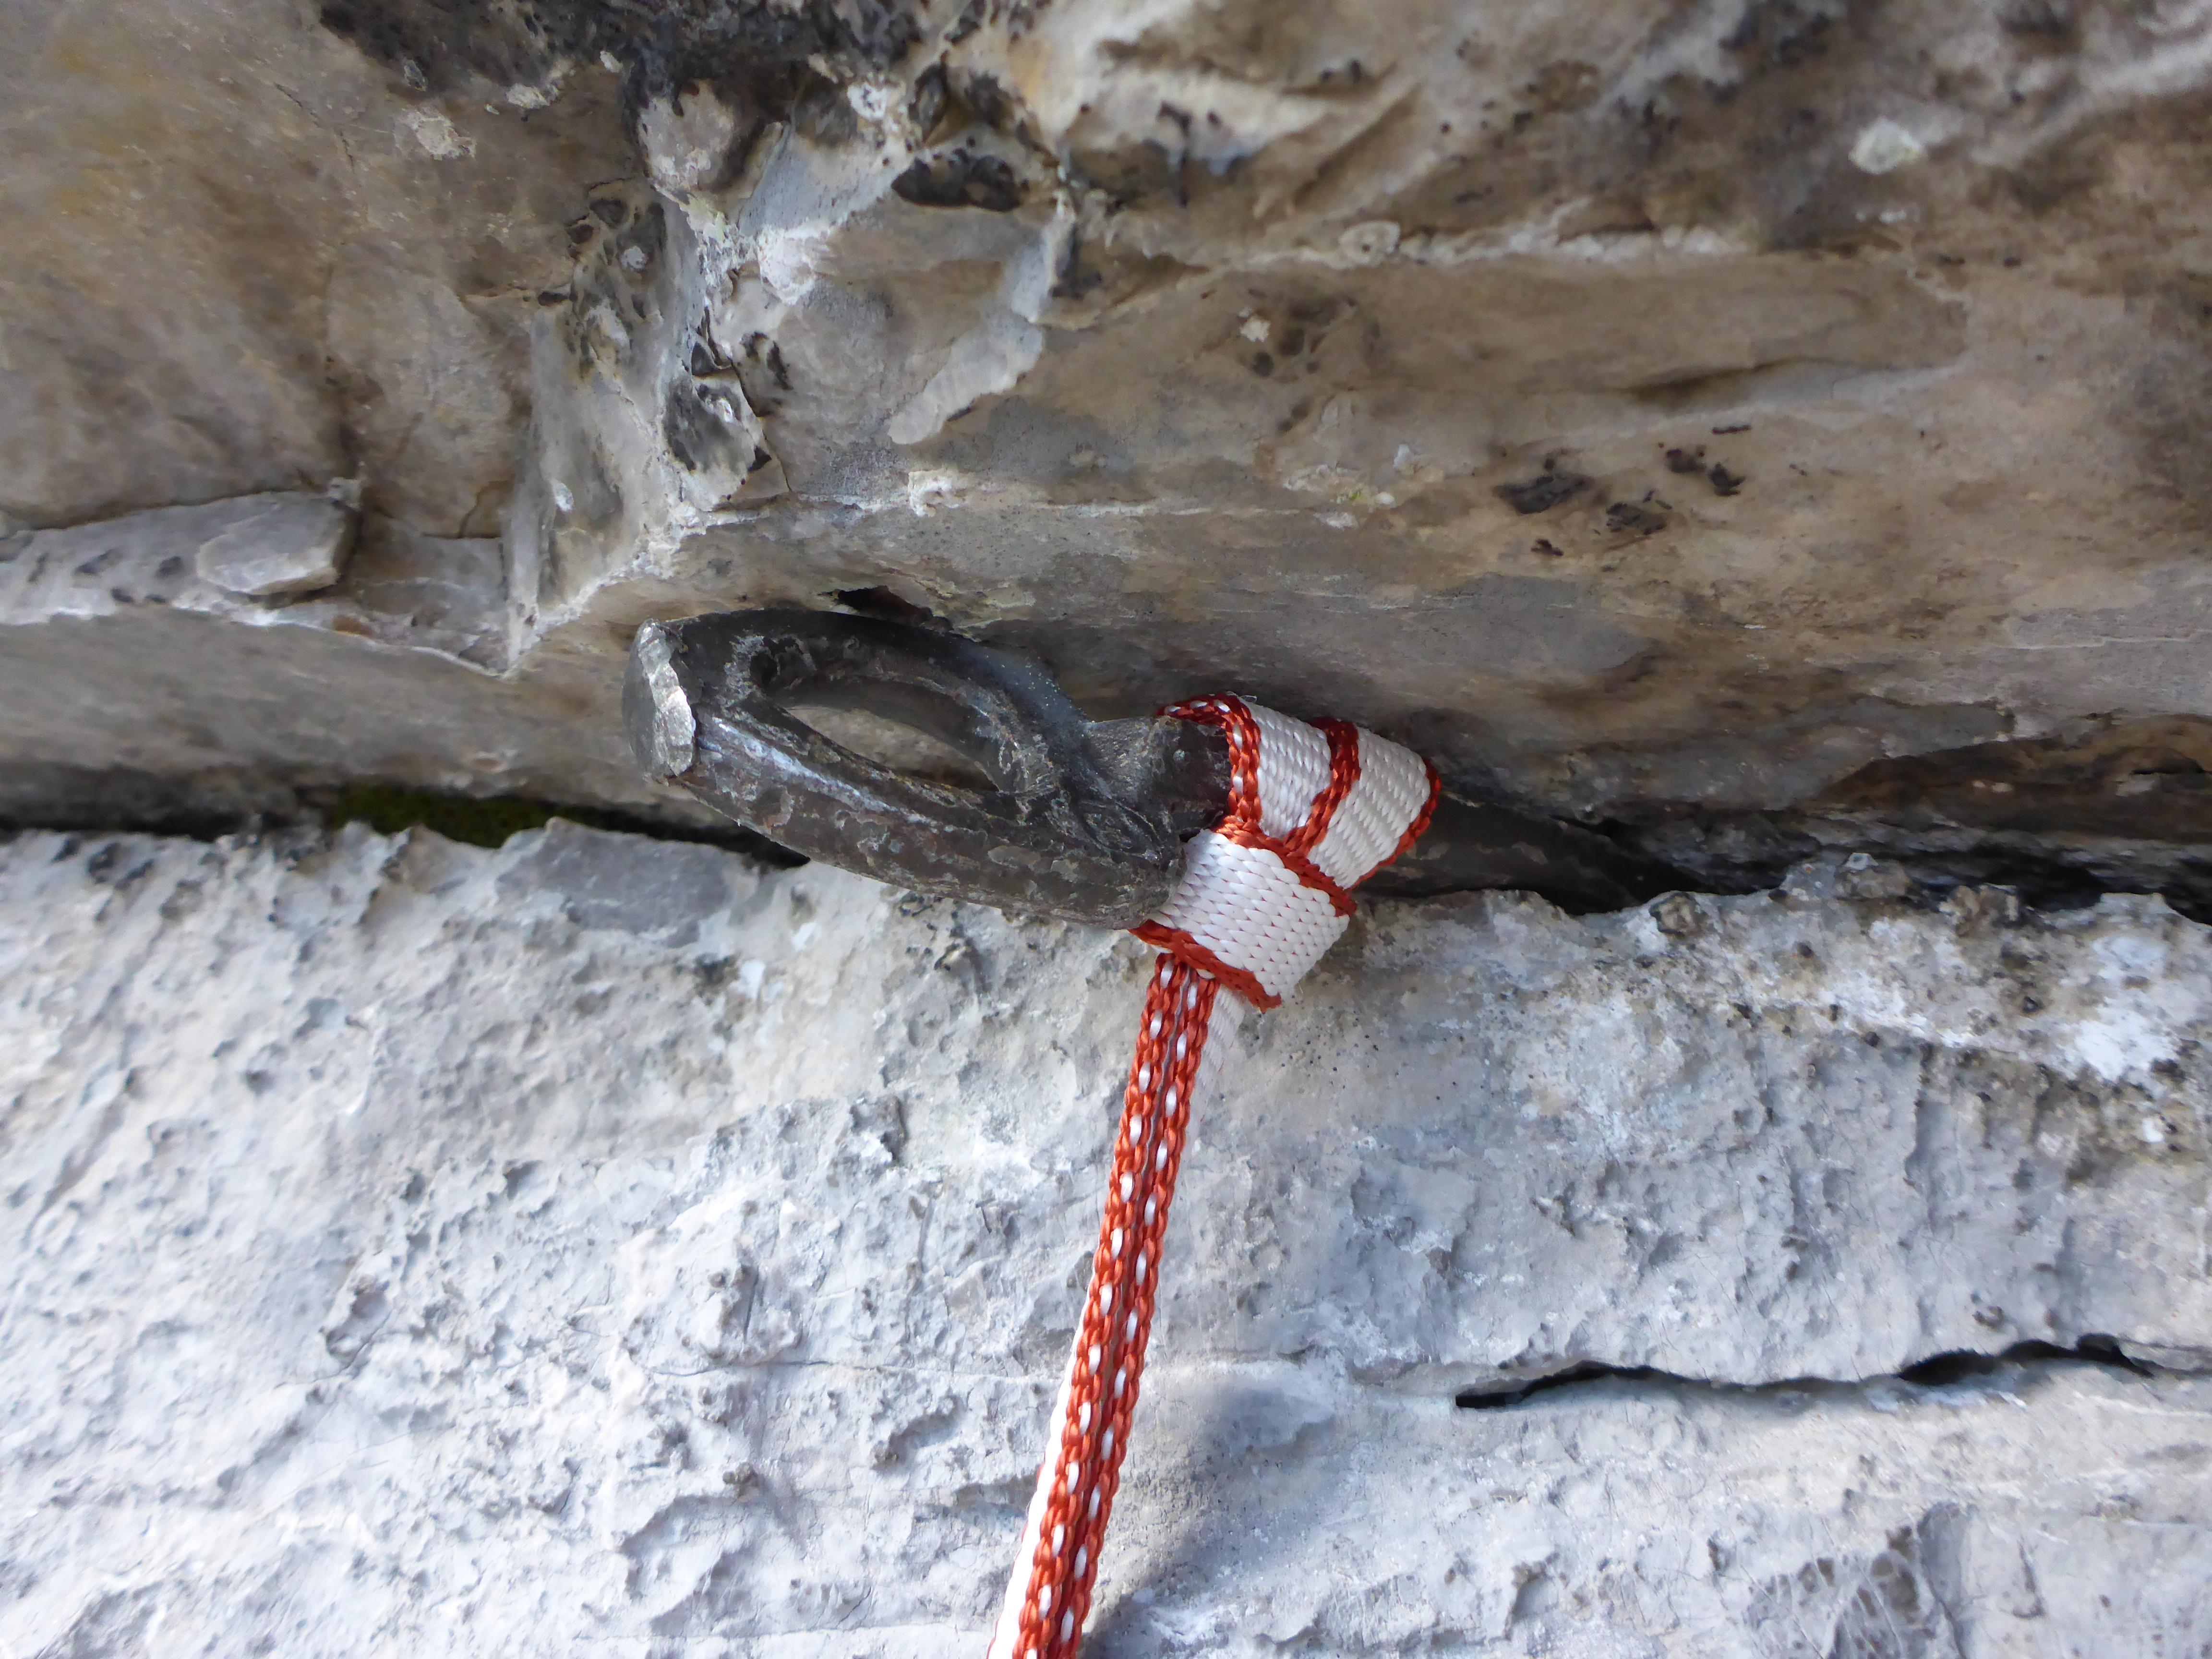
(280, 545)
(601, 1245)
(243, 257)
(1651, 410)
(1769, 430)
(130, 679)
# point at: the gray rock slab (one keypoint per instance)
(277, 545)
(1637, 405)
(598, 1244)
(131, 680)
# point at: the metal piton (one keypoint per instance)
(1078, 819)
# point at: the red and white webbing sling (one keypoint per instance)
(1313, 811)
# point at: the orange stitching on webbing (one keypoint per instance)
(1343, 773)
(1420, 820)
(1241, 823)
(1180, 944)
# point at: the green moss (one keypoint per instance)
(488, 821)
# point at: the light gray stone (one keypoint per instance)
(1651, 411)
(1773, 426)
(2027, 1512)
(276, 546)
(137, 691)
(603, 1243)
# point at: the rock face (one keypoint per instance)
(1769, 432)
(603, 1241)
(1670, 415)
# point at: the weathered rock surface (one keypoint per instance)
(1651, 410)
(601, 1242)
(133, 681)
(1767, 428)
(280, 546)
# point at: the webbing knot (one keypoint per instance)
(1313, 811)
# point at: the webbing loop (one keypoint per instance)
(1313, 810)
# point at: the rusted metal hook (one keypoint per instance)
(1081, 819)
(1074, 818)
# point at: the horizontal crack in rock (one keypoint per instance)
(1939, 1370)
(386, 808)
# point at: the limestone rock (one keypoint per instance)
(243, 257)
(1675, 417)
(604, 1241)
(136, 690)
(278, 546)
(1768, 428)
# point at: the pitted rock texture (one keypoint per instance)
(603, 1242)
(1651, 410)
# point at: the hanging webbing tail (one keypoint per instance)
(1058, 1557)
(1313, 810)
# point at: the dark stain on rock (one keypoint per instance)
(645, 238)
(705, 360)
(1764, 142)
(2059, 177)
(824, 115)
(1781, 34)
(763, 375)
(2147, 780)
(1564, 85)
(961, 180)
(970, 19)
(755, 52)
(990, 102)
(2044, 25)
(1543, 492)
(697, 434)
(932, 95)
(1725, 483)
(1635, 518)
